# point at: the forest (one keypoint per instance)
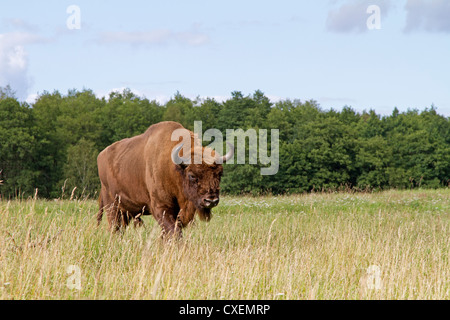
(50, 147)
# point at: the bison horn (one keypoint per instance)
(229, 155)
(176, 157)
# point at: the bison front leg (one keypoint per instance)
(170, 226)
(186, 215)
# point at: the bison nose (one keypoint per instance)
(211, 202)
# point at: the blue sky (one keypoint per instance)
(321, 50)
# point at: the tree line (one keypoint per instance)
(52, 144)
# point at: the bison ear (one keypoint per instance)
(180, 167)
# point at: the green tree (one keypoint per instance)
(17, 144)
(78, 117)
(207, 112)
(50, 147)
(420, 149)
(180, 109)
(57, 139)
(80, 169)
(125, 115)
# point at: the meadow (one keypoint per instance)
(387, 245)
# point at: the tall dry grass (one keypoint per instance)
(316, 246)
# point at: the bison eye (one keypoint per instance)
(192, 178)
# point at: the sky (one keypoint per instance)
(367, 54)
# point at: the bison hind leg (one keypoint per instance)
(99, 216)
(113, 220)
(118, 219)
(100, 210)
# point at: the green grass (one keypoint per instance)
(315, 246)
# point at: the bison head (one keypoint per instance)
(201, 181)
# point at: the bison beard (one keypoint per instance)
(204, 214)
(191, 191)
(140, 176)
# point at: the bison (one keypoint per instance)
(146, 175)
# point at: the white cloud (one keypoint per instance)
(428, 15)
(13, 65)
(31, 99)
(135, 38)
(20, 24)
(154, 37)
(352, 15)
(161, 99)
(17, 58)
(192, 38)
(14, 61)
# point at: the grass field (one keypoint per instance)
(390, 245)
